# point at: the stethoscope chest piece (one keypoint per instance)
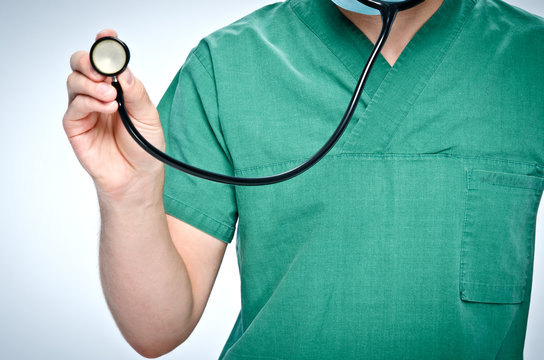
(109, 56)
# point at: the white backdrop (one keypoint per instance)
(51, 303)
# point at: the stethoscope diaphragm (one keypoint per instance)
(109, 56)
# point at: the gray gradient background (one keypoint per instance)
(51, 303)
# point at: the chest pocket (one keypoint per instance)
(498, 235)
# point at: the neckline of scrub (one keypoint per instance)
(402, 85)
(351, 46)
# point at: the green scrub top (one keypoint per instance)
(414, 237)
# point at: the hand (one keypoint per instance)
(117, 164)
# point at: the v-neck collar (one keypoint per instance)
(405, 80)
(342, 38)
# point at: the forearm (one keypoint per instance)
(144, 279)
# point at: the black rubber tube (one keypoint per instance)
(388, 13)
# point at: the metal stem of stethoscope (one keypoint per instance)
(388, 11)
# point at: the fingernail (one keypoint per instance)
(105, 89)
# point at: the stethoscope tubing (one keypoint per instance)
(388, 13)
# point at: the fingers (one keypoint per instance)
(106, 32)
(81, 63)
(84, 80)
(83, 105)
(137, 101)
(88, 92)
(135, 95)
(77, 120)
(79, 84)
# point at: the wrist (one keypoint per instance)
(143, 191)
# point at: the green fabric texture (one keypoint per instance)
(414, 237)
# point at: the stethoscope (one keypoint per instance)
(110, 56)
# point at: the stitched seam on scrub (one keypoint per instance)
(393, 156)
(201, 63)
(462, 252)
(199, 211)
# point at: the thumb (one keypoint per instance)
(137, 101)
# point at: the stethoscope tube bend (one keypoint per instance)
(388, 13)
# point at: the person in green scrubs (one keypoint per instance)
(414, 237)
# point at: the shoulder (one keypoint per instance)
(244, 36)
(505, 34)
(509, 18)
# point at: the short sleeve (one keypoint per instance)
(193, 135)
